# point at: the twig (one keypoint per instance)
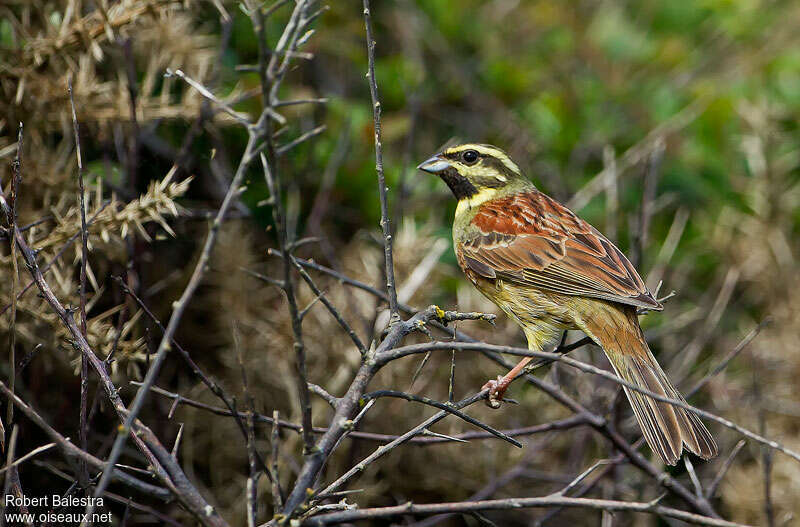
(263, 278)
(376, 115)
(385, 449)
(277, 492)
(177, 444)
(711, 490)
(25, 228)
(183, 490)
(44, 269)
(512, 504)
(446, 407)
(583, 475)
(115, 497)
(451, 382)
(464, 346)
(588, 487)
(252, 479)
(271, 71)
(179, 308)
(319, 100)
(70, 451)
(601, 425)
(11, 217)
(301, 139)
(329, 305)
(698, 488)
(342, 278)
(688, 355)
(279, 217)
(729, 357)
(349, 405)
(205, 92)
(213, 386)
(766, 454)
(519, 470)
(669, 246)
(322, 392)
(32, 453)
(12, 447)
(83, 427)
(562, 424)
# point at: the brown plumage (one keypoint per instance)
(550, 270)
(531, 239)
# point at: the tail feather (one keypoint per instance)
(666, 428)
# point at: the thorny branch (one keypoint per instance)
(177, 313)
(83, 430)
(465, 346)
(165, 467)
(70, 451)
(382, 189)
(305, 502)
(256, 131)
(513, 503)
(562, 424)
(287, 284)
(350, 403)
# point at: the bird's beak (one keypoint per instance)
(434, 165)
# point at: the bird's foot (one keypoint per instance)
(497, 388)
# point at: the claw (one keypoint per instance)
(496, 390)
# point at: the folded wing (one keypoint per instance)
(531, 239)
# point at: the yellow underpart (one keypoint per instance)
(475, 200)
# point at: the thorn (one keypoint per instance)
(427, 432)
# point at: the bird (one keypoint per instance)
(550, 271)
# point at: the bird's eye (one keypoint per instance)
(470, 156)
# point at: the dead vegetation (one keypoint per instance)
(159, 158)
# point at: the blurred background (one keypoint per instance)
(690, 109)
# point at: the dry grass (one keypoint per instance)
(754, 241)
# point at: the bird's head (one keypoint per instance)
(473, 170)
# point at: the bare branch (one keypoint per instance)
(711, 490)
(349, 404)
(179, 308)
(512, 504)
(279, 216)
(70, 451)
(83, 427)
(331, 308)
(252, 454)
(562, 424)
(29, 455)
(301, 139)
(729, 357)
(205, 92)
(45, 268)
(464, 346)
(382, 189)
(446, 407)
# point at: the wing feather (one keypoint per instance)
(530, 239)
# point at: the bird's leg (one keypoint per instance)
(497, 388)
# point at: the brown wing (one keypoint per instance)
(530, 239)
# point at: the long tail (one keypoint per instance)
(666, 428)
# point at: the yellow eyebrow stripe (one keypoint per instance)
(487, 151)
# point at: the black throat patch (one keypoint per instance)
(459, 185)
